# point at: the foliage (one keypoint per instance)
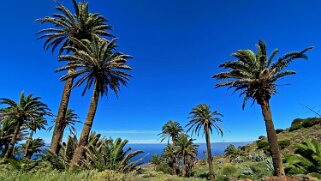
(202, 116)
(70, 119)
(170, 130)
(284, 143)
(255, 74)
(155, 159)
(279, 131)
(299, 123)
(81, 25)
(307, 158)
(35, 146)
(230, 150)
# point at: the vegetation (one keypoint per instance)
(94, 62)
(202, 116)
(255, 75)
(65, 27)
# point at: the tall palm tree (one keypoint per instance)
(203, 117)
(256, 75)
(170, 130)
(96, 64)
(81, 24)
(185, 148)
(33, 125)
(25, 110)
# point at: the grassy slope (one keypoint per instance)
(223, 167)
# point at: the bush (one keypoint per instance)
(229, 170)
(296, 124)
(155, 159)
(230, 150)
(279, 131)
(309, 122)
(109, 175)
(284, 143)
(262, 137)
(261, 144)
(164, 167)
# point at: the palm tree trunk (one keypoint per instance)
(86, 129)
(27, 144)
(209, 154)
(174, 160)
(59, 130)
(13, 141)
(272, 138)
(183, 166)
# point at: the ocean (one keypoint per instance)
(151, 149)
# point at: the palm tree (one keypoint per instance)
(96, 64)
(33, 125)
(170, 130)
(66, 25)
(34, 146)
(69, 120)
(185, 148)
(6, 131)
(255, 75)
(170, 157)
(202, 116)
(25, 110)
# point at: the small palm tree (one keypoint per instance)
(66, 25)
(21, 112)
(6, 131)
(69, 120)
(105, 153)
(203, 117)
(255, 75)
(34, 146)
(33, 125)
(96, 64)
(185, 148)
(170, 131)
(170, 157)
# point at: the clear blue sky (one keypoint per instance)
(177, 46)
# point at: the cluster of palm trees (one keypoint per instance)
(183, 151)
(255, 76)
(92, 61)
(17, 119)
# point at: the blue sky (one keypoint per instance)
(177, 46)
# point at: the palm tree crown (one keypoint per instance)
(96, 63)
(69, 121)
(26, 109)
(255, 74)
(202, 116)
(81, 25)
(171, 130)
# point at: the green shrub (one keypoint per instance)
(309, 122)
(230, 150)
(261, 144)
(279, 131)
(155, 159)
(164, 167)
(296, 124)
(262, 137)
(284, 143)
(109, 175)
(229, 170)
